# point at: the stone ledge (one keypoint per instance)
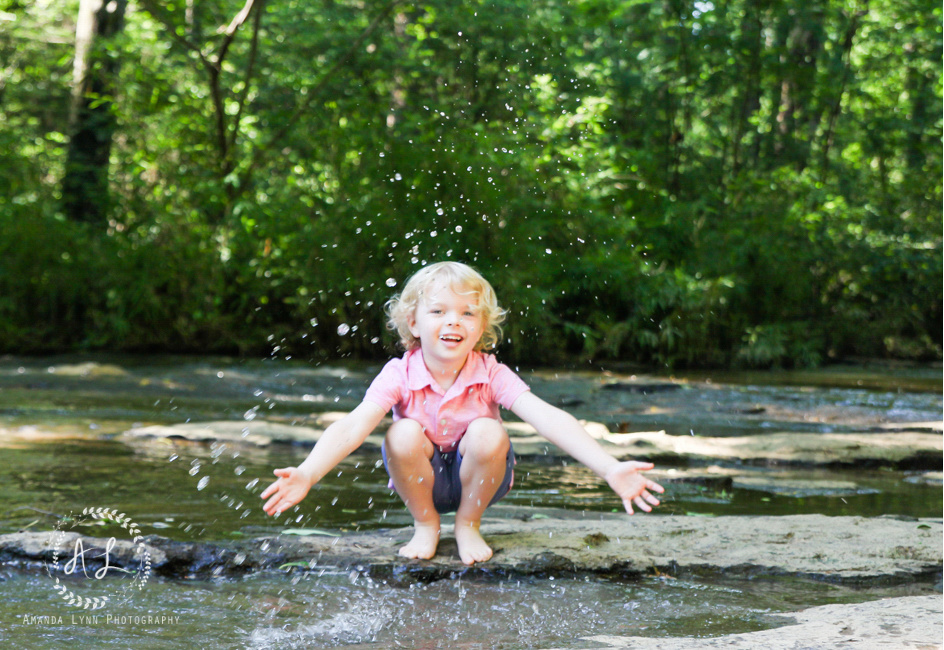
(846, 550)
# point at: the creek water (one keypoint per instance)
(61, 422)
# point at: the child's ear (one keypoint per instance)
(411, 323)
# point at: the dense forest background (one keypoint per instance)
(729, 183)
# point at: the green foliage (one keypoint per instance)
(743, 184)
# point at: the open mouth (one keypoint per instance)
(452, 338)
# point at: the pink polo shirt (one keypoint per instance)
(406, 386)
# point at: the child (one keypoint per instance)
(447, 450)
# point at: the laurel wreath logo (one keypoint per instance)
(120, 590)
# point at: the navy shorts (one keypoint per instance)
(447, 486)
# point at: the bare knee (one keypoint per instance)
(405, 438)
(485, 438)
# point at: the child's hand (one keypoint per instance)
(631, 486)
(289, 489)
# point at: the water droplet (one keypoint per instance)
(250, 415)
(391, 282)
(458, 228)
(314, 322)
(203, 482)
(343, 329)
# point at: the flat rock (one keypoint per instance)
(854, 550)
(528, 541)
(898, 623)
(256, 432)
(798, 487)
(899, 449)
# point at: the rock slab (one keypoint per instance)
(912, 623)
(847, 550)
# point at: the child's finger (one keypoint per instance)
(275, 505)
(650, 498)
(266, 493)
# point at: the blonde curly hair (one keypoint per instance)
(462, 279)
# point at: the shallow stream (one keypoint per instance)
(61, 422)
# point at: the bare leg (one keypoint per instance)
(408, 454)
(484, 449)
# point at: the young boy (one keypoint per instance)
(447, 450)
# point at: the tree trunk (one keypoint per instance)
(798, 116)
(91, 121)
(749, 72)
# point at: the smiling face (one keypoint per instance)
(448, 325)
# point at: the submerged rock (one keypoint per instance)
(641, 387)
(798, 487)
(88, 369)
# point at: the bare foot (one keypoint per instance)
(424, 542)
(472, 548)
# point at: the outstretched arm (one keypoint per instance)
(338, 440)
(563, 429)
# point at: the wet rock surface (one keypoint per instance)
(893, 623)
(526, 541)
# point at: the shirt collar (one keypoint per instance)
(419, 377)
